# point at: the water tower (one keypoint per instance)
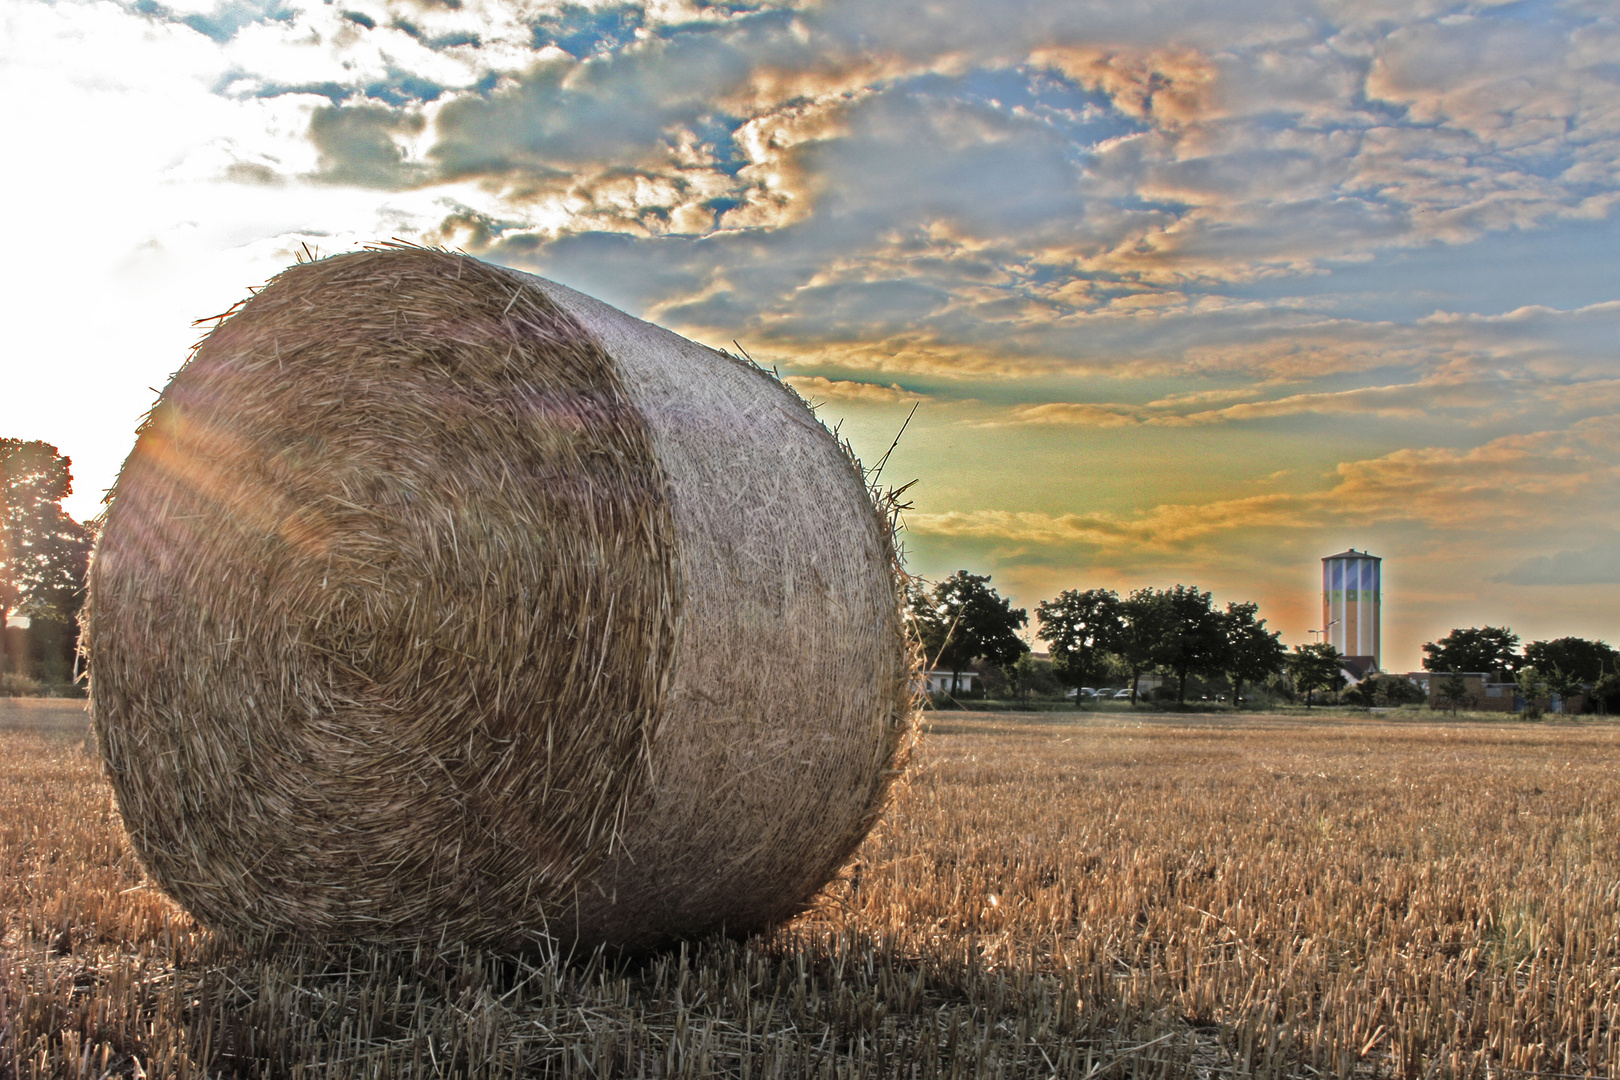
(1352, 597)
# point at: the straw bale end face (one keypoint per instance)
(437, 601)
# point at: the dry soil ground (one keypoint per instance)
(1051, 894)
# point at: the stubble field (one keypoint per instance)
(1051, 895)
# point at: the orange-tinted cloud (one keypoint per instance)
(820, 388)
(1406, 400)
(1172, 87)
(1506, 483)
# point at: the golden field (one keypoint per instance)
(1051, 895)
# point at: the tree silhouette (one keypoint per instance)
(43, 551)
(1252, 651)
(962, 619)
(1316, 667)
(1080, 629)
(1145, 616)
(1482, 649)
(1453, 689)
(1571, 664)
(1192, 636)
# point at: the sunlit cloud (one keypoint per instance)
(1506, 482)
(820, 388)
(1160, 527)
(1406, 400)
(1168, 251)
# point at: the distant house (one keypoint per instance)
(1483, 691)
(939, 681)
(1488, 692)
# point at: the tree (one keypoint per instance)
(1318, 666)
(1571, 664)
(1192, 636)
(1387, 691)
(1028, 675)
(1577, 657)
(962, 619)
(1453, 689)
(1483, 649)
(1252, 651)
(1606, 692)
(1565, 686)
(1399, 690)
(1143, 617)
(1080, 629)
(1532, 688)
(43, 551)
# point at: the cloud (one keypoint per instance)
(821, 388)
(1509, 483)
(1083, 414)
(953, 188)
(1405, 401)
(1592, 566)
(1173, 87)
(360, 144)
(1145, 210)
(1160, 527)
(228, 19)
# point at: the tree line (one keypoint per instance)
(1565, 666)
(1092, 633)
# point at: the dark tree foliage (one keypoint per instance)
(1386, 691)
(1192, 636)
(1453, 690)
(1533, 688)
(1176, 630)
(1572, 659)
(1145, 617)
(1318, 666)
(1606, 693)
(1482, 649)
(43, 551)
(962, 619)
(1027, 676)
(1253, 653)
(1395, 690)
(1081, 629)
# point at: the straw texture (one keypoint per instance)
(790, 702)
(438, 602)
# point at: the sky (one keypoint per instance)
(1181, 292)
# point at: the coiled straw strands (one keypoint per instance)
(438, 601)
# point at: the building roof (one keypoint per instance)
(1352, 554)
(1358, 667)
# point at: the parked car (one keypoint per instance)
(1123, 695)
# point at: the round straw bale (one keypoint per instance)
(440, 602)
